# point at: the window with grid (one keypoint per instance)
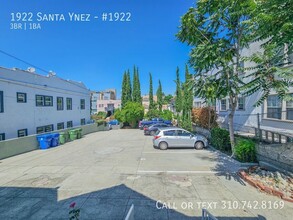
(60, 126)
(22, 132)
(274, 107)
(2, 136)
(241, 103)
(289, 109)
(223, 105)
(82, 121)
(60, 103)
(69, 103)
(82, 104)
(69, 124)
(21, 97)
(1, 102)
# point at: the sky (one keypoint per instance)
(97, 52)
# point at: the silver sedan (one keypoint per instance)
(177, 137)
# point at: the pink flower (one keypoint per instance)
(72, 205)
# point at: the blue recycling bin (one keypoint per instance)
(55, 140)
(44, 141)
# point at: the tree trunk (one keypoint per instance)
(233, 101)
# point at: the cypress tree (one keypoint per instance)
(134, 86)
(124, 92)
(187, 101)
(128, 87)
(178, 99)
(138, 87)
(160, 96)
(151, 98)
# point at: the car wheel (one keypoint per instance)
(163, 146)
(152, 133)
(198, 145)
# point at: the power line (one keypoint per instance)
(21, 60)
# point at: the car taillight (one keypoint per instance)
(156, 137)
(145, 129)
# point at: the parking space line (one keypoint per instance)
(170, 152)
(177, 171)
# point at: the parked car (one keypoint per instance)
(114, 122)
(178, 137)
(151, 130)
(145, 123)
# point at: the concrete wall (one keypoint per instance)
(21, 145)
(27, 115)
(278, 155)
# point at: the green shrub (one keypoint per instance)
(220, 139)
(245, 150)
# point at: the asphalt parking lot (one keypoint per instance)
(104, 173)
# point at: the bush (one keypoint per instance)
(245, 150)
(152, 113)
(200, 116)
(166, 115)
(220, 139)
(130, 114)
(99, 116)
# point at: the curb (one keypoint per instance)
(258, 185)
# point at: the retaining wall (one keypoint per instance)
(277, 155)
(12, 147)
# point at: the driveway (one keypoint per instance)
(106, 172)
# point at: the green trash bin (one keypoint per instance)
(73, 134)
(79, 130)
(62, 138)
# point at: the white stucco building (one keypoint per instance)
(31, 103)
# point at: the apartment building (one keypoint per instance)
(275, 114)
(105, 101)
(31, 103)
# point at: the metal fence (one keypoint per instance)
(273, 128)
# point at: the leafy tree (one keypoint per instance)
(218, 31)
(151, 98)
(131, 113)
(166, 115)
(178, 98)
(160, 96)
(153, 113)
(267, 75)
(273, 22)
(167, 99)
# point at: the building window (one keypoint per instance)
(241, 103)
(82, 121)
(274, 107)
(69, 124)
(223, 106)
(69, 103)
(42, 100)
(22, 132)
(101, 105)
(82, 104)
(21, 97)
(1, 102)
(196, 105)
(60, 103)
(46, 128)
(289, 109)
(60, 126)
(48, 101)
(2, 136)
